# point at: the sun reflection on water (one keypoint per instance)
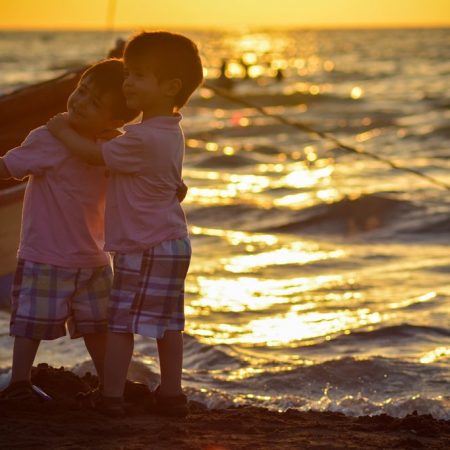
(236, 237)
(252, 293)
(297, 253)
(413, 301)
(439, 353)
(241, 187)
(274, 289)
(288, 328)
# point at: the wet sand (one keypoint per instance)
(62, 424)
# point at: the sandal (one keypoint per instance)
(170, 405)
(23, 390)
(134, 392)
(108, 406)
(137, 393)
(88, 398)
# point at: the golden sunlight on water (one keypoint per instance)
(439, 353)
(298, 253)
(413, 301)
(290, 327)
(285, 329)
(303, 320)
(236, 237)
(268, 289)
(252, 294)
(254, 55)
(255, 278)
(231, 187)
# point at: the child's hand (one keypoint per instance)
(58, 124)
(181, 191)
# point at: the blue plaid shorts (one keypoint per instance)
(147, 297)
(45, 298)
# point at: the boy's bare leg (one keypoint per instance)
(119, 350)
(24, 352)
(170, 351)
(96, 346)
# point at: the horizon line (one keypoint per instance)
(234, 29)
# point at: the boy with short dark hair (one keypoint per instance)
(145, 224)
(63, 274)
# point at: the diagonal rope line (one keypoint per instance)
(303, 127)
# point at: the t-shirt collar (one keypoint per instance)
(162, 121)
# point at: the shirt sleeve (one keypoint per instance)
(32, 157)
(124, 153)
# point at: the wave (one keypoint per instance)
(67, 65)
(441, 225)
(222, 376)
(400, 334)
(351, 405)
(197, 355)
(237, 216)
(228, 161)
(442, 131)
(353, 76)
(403, 331)
(350, 385)
(254, 132)
(353, 374)
(347, 216)
(355, 386)
(267, 100)
(8, 59)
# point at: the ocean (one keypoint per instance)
(320, 277)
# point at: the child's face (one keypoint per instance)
(89, 111)
(142, 89)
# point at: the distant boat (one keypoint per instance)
(20, 112)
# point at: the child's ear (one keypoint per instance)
(173, 86)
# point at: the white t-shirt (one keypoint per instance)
(145, 165)
(63, 209)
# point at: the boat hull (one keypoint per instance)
(10, 217)
(20, 112)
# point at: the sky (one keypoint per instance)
(140, 14)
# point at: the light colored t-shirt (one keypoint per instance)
(63, 210)
(142, 209)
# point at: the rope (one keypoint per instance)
(323, 135)
(112, 4)
(109, 24)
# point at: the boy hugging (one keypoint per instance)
(145, 226)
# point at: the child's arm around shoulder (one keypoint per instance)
(86, 149)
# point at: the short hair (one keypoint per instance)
(108, 76)
(171, 56)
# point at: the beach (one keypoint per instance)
(320, 277)
(61, 424)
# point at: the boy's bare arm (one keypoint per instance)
(4, 172)
(84, 148)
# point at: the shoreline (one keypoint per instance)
(61, 423)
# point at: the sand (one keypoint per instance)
(62, 424)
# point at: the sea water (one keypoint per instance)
(320, 277)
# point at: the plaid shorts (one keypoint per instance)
(46, 297)
(148, 289)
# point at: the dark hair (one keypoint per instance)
(108, 77)
(171, 56)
